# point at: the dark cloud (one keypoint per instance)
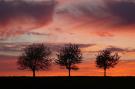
(57, 46)
(21, 16)
(86, 45)
(118, 49)
(108, 12)
(123, 10)
(112, 48)
(8, 49)
(11, 48)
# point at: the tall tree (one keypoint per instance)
(106, 59)
(35, 57)
(68, 56)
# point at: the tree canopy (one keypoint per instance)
(35, 57)
(106, 59)
(68, 56)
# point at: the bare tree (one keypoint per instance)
(35, 57)
(68, 56)
(106, 59)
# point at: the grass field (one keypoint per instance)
(65, 82)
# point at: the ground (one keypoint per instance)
(67, 83)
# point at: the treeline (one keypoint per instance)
(37, 57)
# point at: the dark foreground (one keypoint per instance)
(67, 83)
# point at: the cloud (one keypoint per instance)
(100, 12)
(12, 47)
(118, 49)
(123, 10)
(18, 17)
(56, 46)
(38, 33)
(15, 49)
(105, 34)
(112, 48)
(86, 45)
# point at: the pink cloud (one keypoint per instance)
(18, 17)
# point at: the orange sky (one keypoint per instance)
(95, 24)
(87, 68)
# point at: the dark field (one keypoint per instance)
(67, 83)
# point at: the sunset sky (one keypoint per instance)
(93, 24)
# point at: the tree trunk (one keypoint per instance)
(105, 72)
(33, 73)
(69, 72)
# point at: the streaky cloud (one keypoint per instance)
(118, 49)
(10, 48)
(113, 13)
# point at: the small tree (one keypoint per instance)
(106, 59)
(68, 56)
(35, 57)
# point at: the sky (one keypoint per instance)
(93, 24)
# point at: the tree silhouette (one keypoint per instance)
(68, 56)
(106, 59)
(35, 57)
